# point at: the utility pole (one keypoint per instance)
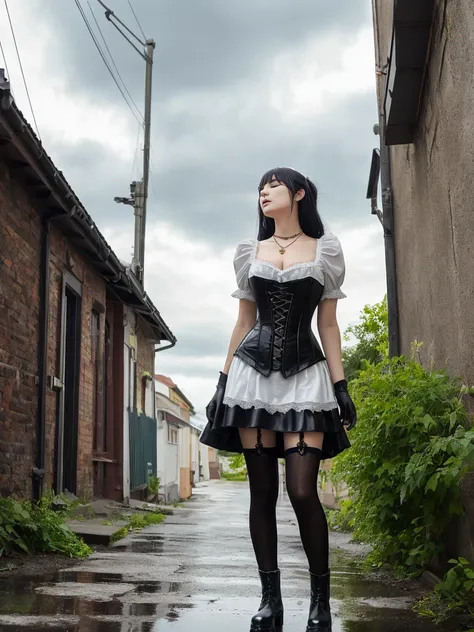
(150, 47)
(138, 190)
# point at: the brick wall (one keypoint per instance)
(145, 358)
(19, 308)
(20, 232)
(93, 290)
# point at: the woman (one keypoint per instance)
(280, 395)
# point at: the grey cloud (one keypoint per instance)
(207, 159)
(211, 193)
(199, 44)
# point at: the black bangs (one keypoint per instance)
(310, 221)
(293, 180)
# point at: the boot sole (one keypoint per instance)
(276, 627)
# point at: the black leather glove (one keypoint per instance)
(215, 405)
(346, 405)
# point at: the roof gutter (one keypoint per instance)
(409, 50)
(20, 134)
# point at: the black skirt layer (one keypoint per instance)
(223, 433)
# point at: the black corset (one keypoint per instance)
(282, 338)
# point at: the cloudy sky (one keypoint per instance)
(238, 88)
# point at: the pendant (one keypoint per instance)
(282, 251)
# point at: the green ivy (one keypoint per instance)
(412, 445)
(37, 527)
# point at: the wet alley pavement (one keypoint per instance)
(196, 572)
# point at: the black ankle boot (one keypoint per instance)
(269, 618)
(319, 611)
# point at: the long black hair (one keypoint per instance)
(310, 222)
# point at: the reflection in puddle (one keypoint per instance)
(158, 587)
(87, 577)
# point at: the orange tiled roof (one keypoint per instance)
(167, 381)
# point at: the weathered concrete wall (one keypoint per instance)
(433, 195)
(433, 189)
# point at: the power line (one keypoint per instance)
(21, 68)
(113, 61)
(5, 62)
(136, 18)
(101, 53)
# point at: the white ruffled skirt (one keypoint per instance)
(310, 389)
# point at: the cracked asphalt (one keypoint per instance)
(196, 571)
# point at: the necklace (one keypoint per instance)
(283, 248)
(290, 237)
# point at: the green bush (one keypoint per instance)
(37, 528)
(371, 334)
(412, 445)
(238, 467)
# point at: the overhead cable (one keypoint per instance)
(113, 61)
(101, 53)
(4, 60)
(21, 68)
(136, 18)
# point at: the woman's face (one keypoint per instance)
(274, 198)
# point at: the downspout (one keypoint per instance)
(388, 215)
(38, 470)
(389, 237)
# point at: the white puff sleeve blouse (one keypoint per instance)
(242, 261)
(333, 264)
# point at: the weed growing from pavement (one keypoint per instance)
(234, 476)
(452, 596)
(137, 522)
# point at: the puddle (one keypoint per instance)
(140, 546)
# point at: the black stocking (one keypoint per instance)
(302, 467)
(262, 468)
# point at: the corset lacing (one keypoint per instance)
(281, 304)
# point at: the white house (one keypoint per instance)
(196, 470)
(171, 427)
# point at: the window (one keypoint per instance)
(172, 434)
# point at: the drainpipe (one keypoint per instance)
(389, 238)
(388, 215)
(38, 470)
